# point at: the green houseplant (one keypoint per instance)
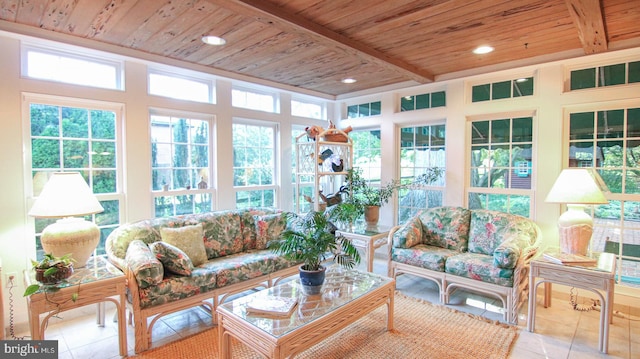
(50, 270)
(310, 240)
(363, 198)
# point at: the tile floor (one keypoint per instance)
(561, 332)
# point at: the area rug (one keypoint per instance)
(422, 330)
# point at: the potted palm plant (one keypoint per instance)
(311, 240)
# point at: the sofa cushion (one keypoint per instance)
(172, 258)
(446, 227)
(408, 235)
(248, 230)
(268, 228)
(247, 265)
(189, 239)
(423, 256)
(143, 263)
(222, 233)
(479, 267)
(489, 229)
(175, 287)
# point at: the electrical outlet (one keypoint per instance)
(10, 277)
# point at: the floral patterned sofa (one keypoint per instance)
(478, 250)
(179, 262)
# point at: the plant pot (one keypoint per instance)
(57, 277)
(312, 280)
(372, 215)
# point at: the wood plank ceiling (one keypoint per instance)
(314, 44)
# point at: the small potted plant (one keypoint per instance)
(311, 240)
(362, 197)
(50, 270)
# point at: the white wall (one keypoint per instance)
(549, 101)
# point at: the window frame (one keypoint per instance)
(75, 54)
(275, 186)
(509, 192)
(120, 196)
(433, 188)
(274, 96)
(171, 193)
(202, 79)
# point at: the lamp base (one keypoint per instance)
(575, 239)
(71, 235)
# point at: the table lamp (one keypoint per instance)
(65, 195)
(577, 187)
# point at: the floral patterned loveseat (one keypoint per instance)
(178, 262)
(478, 250)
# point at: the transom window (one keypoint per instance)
(504, 89)
(364, 110)
(307, 109)
(608, 75)
(254, 164)
(254, 100)
(180, 165)
(501, 158)
(85, 139)
(423, 101)
(180, 87)
(71, 68)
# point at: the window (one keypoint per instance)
(306, 184)
(608, 75)
(366, 153)
(180, 165)
(421, 148)
(609, 141)
(500, 90)
(254, 165)
(71, 68)
(364, 110)
(422, 101)
(181, 88)
(73, 137)
(307, 109)
(501, 160)
(254, 100)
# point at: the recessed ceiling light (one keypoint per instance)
(213, 40)
(483, 50)
(348, 80)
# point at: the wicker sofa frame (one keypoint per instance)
(512, 297)
(144, 317)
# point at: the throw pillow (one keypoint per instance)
(173, 259)
(189, 239)
(268, 228)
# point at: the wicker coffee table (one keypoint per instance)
(346, 296)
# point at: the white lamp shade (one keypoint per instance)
(578, 186)
(66, 194)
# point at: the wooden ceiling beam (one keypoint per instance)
(266, 12)
(587, 16)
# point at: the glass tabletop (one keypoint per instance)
(97, 268)
(341, 287)
(365, 230)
